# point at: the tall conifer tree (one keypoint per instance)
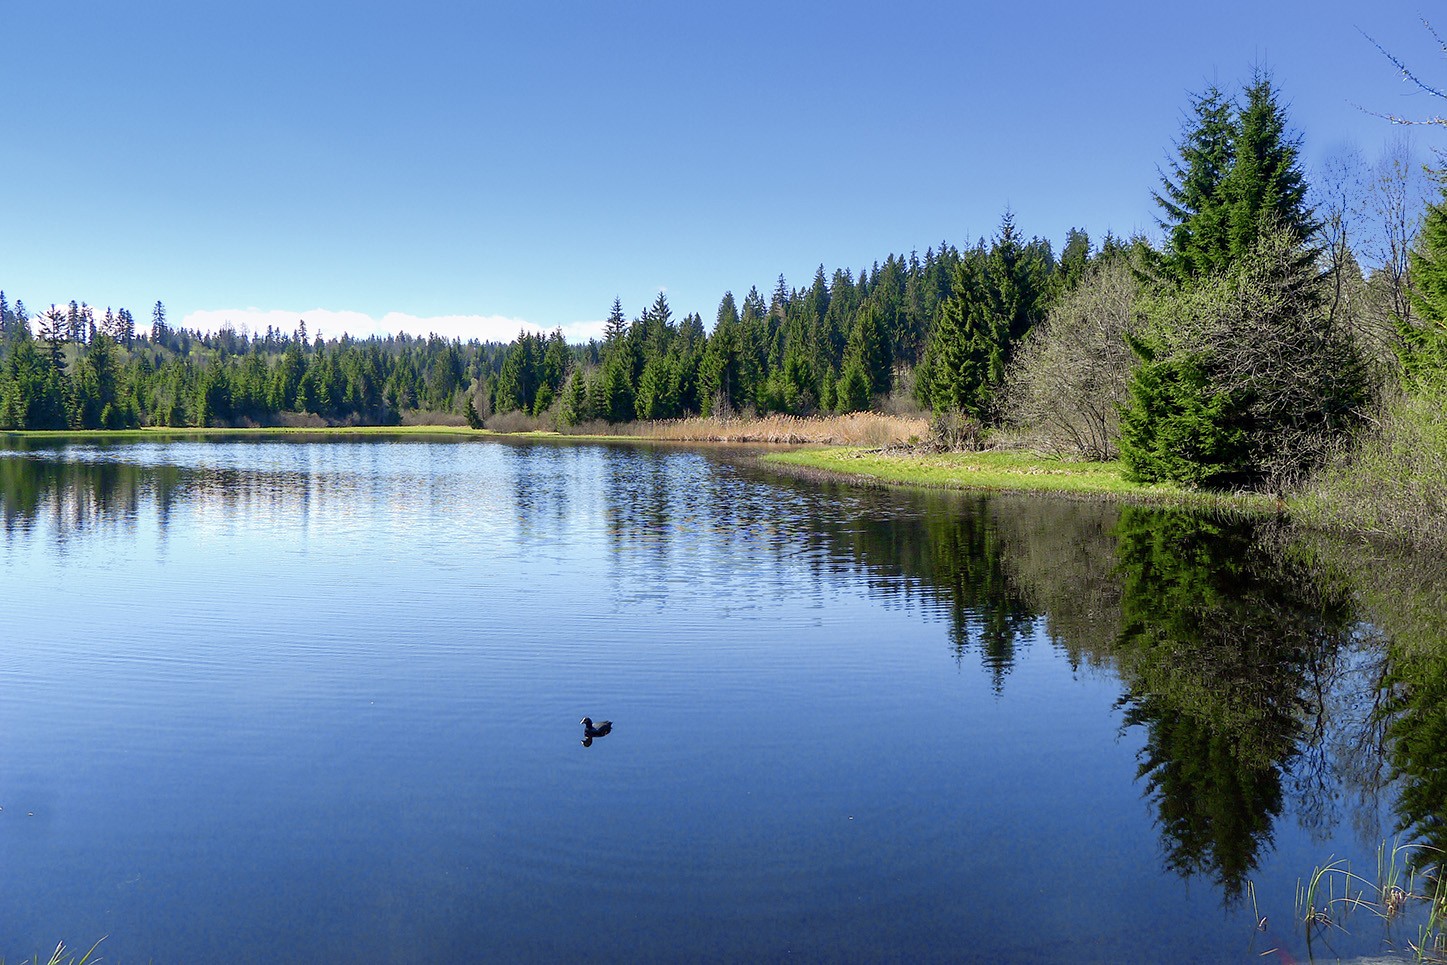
(1193, 195)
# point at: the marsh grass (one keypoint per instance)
(63, 956)
(1408, 883)
(509, 423)
(856, 429)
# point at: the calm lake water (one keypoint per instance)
(320, 701)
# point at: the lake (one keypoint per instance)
(295, 701)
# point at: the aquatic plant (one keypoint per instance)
(1409, 880)
(62, 956)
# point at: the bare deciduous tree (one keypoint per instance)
(1068, 380)
(1370, 214)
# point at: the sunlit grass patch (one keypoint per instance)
(1007, 471)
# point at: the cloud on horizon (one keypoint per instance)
(331, 323)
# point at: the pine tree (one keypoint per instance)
(615, 325)
(964, 348)
(1265, 189)
(1193, 194)
(1424, 350)
(615, 391)
(868, 350)
(1074, 259)
(160, 331)
(575, 399)
(719, 379)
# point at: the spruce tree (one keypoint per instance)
(159, 330)
(575, 399)
(868, 349)
(53, 327)
(1424, 344)
(1245, 377)
(1193, 196)
(1265, 189)
(615, 325)
(852, 390)
(1074, 260)
(719, 381)
(1017, 278)
(964, 348)
(1242, 375)
(615, 390)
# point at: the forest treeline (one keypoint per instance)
(843, 344)
(1268, 338)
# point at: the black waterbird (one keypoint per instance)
(592, 730)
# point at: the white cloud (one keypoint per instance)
(332, 323)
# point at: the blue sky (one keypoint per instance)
(471, 167)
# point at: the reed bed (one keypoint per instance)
(870, 429)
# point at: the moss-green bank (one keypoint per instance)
(1006, 472)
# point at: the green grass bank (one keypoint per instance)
(996, 471)
(1014, 472)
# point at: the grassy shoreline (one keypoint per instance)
(999, 471)
(1005, 472)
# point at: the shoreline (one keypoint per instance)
(1008, 472)
(1005, 472)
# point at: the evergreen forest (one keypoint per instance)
(1273, 320)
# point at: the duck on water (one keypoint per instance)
(592, 730)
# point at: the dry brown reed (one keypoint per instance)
(870, 429)
(516, 421)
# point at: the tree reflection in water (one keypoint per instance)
(1247, 668)
(1404, 600)
(1267, 670)
(1220, 639)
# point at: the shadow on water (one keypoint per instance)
(1263, 670)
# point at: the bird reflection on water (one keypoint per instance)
(592, 730)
